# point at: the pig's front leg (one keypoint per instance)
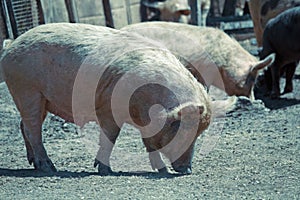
(33, 113)
(157, 162)
(107, 141)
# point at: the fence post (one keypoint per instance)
(72, 11)
(107, 12)
(195, 12)
(128, 11)
(40, 12)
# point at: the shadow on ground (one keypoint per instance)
(285, 100)
(68, 174)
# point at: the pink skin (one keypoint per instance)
(42, 69)
(220, 60)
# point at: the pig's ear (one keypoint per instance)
(264, 63)
(189, 110)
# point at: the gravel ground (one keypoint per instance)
(251, 153)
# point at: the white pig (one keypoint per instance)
(219, 59)
(84, 73)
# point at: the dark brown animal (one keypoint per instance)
(263, 10)
(281, 36)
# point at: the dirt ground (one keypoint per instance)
(251, 153)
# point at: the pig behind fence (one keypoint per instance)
(167, 10)
(221, 60)
(83, 73)
(172, 10)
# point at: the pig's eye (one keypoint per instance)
(175, 125)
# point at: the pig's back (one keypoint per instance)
(47, 59)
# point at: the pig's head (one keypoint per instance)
(242, 81)
(177, 138)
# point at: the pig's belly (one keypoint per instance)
(78, 115)
(63, 113)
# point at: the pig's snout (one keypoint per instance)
(182, 169)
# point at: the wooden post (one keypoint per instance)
(107, 12)
(40, 12)
(4, 32)
(229, 8)
(10, 20)
(195, 12)
(128, 11)
(193, 5)
(199, 12)
(72, 11)
(143, 12)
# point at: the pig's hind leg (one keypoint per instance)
(289, 74)
(33, 112)
(275, 71)
(30, 155)
(157, 162)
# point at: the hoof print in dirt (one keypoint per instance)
(102, 168)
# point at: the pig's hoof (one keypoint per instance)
(163, 170)
(183, 170)
(102, 168)
(30, 159)
(44, 166)
(287, 90)
(274, 95)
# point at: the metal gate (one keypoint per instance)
(22, 15)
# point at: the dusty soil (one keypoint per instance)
(251, 153)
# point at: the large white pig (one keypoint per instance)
(219, 59)
(84, 72)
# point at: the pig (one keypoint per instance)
(88, 73)
(263, 10)
(219, 59)
(5, 44)
(168, 10)
(281, 36)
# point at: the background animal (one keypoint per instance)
(263, 10)
(212, 55)
(165, 10)
(281, 36)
